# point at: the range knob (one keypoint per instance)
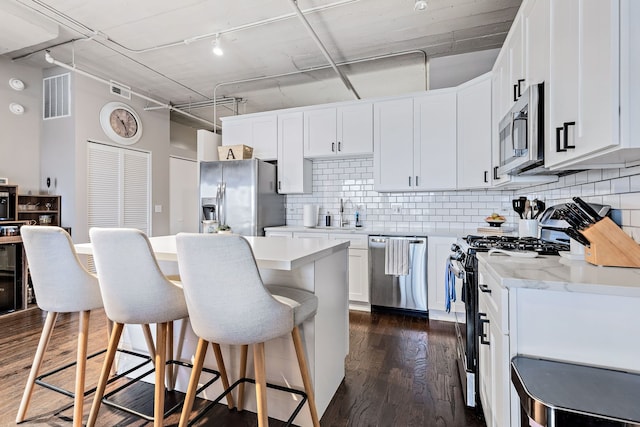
(455, 247)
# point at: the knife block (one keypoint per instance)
(610, 246)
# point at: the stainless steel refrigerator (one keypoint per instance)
(244, 193)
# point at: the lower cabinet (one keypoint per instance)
(493, 360)
(358, 260)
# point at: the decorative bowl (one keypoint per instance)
(495, 222)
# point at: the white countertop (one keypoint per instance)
(560, 274)
(270, 252)
(429, 231)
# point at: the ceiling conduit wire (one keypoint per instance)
(325, 52)
(324, 67)
(75, 69)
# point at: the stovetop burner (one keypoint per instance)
(484, 243)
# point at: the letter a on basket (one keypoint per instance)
(230, 154)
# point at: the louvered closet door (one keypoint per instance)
(118, 187)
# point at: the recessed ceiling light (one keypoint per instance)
(16, 84)
(420, 5)
(16, 108)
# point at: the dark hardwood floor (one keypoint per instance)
(400, 372)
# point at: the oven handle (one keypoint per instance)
(457, 268)
(482, 334)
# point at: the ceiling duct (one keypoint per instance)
(118, 89)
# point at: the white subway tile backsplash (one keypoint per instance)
(352, 180)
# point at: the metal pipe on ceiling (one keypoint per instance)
(324, 67)
(325, 52)
(75, 69)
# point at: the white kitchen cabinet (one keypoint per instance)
(493, 353)
(278, 234)
(474, 133)
(393, 141)
(594, 89)
(346, 130)
(259, 132)
(435, 140)
(294, 171)
(438, 251)
(358, 266)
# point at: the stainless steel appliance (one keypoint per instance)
(465, 266)
(407, 294)
(4, 205)
(521, 134)
(244, 194)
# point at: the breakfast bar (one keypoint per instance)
(316, 265)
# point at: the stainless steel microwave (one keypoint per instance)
(521, 134)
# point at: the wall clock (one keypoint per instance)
(121, 123)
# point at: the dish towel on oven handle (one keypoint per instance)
(449, 286)
(396, 257)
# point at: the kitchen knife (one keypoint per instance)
(578, 237)
(586, 207)
(570, 218)
(586, 220)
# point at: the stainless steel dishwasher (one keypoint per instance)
(399, 293)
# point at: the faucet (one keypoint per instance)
(342, 221)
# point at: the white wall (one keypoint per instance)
(450, 71)
(20, 135)
(183, 140)
(64, 152)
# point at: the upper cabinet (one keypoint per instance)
(474, 133)
(294, 172)
(594, 91)
(393, 159)
(435, 140)
(346, 130)
(257, 131)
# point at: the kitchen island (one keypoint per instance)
(318, 266)
(553, 308)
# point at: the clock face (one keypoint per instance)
(120, 123)
(123, 123)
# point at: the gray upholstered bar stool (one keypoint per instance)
(135, 291)
(62, 285)
(229, 304)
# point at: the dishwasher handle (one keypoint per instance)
(384, 240)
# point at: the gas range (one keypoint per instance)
(472, 244)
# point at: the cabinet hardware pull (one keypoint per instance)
(333, 147)
(279, 185)
(486, 176)
(559, 148)
(566, 134)
(484, 288)
(339, 146)
(515, 93)
(481, 333)
(416, 180)
(495, 172)
(520, 81)
(409, 181)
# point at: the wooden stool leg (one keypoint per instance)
(223, 373)
(243, 373)
(104, 375)
(81, 365)
(146, 330)
(45, 337)
(304, 371)
(261, 384)
(161, 359)
(198, 361)
(169, 356)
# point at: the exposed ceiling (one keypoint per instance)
(162, 48)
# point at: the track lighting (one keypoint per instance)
(420, 5)
(217, 50)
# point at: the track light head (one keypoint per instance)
(216, 49)
(48, 57)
